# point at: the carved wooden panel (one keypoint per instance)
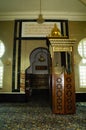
(63, 94)
(58, 91)
(69, 94)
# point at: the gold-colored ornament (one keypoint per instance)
(55, 32)
(41, 58)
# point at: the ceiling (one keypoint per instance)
(68, 9)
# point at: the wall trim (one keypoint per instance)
(16, 97)
(72, 16)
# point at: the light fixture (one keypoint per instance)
(41, 57)
(40, 19)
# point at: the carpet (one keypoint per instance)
(36, 115)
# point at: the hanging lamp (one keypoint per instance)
(40, 19)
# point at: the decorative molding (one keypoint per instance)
(6, 16)
(61, 44)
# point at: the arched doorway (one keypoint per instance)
(38, 73)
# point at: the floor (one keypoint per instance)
(36, 114)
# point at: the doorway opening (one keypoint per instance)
(37, 75)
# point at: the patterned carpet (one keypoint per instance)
(36, 115)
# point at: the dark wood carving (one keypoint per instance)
(63, 86)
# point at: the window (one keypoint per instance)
(82, 64)
(2, 50)
(1, 74)
(82, 48)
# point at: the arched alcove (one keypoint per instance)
(37, 74)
